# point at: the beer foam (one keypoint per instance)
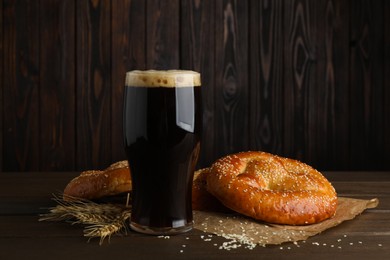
(163, 78)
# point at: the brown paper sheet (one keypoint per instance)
(247, 231)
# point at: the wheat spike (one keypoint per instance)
(102, 220)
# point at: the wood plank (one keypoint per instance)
(329, 111)
(350, 238)
(338, 128)
(386, 84)
(327, 121)
(312, 33)
(162, 34)
(35, 191)
(231, 78)
(9, 224)
(368, 221)
(353, 189)
(197, 53)
(266, 76)
(143, 248)
(21, 85)
(365, 236)
(93, 82)
(299, 77)
(1, 91)
(367, 176)
(57, 73)
(361, 225)
(367, 89)
(31, 207)
(128, 53)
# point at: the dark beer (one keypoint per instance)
(162, 126)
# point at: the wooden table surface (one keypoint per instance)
(23, 196)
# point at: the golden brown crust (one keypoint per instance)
(271, 188)
(97, 184)
(201, 198)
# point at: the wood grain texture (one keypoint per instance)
(2, 84)
(162, 34)
(128, 53)
(197, 53)
(358, 238)
(304, 79)
(93, 140)
(329, 107)
(386, 85)
(266, 74)
(231, 78)
(21, 85)
(299, 77)
(335, 81)
(57, 85)
(366, 80)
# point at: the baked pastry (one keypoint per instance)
(202, 199)
(270, 188)
(260, 185)
(90, 185)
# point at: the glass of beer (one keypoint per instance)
(162, 131)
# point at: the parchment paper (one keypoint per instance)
(252, 232)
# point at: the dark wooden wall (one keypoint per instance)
(304, 79)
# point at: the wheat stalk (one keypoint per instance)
(102, 220)
(107, 229)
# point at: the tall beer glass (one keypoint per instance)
(162, 128)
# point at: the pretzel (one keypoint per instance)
(97, 184)
(273, 189)
(201, 199)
